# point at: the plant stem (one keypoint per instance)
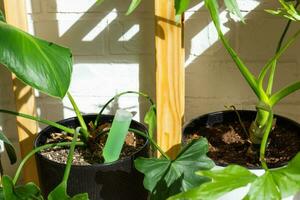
(70, 156)
(84, 129)
(37, 149)
(50, 123)
(116, 96)
(264, 142)
(151, 141)
(279, 45)
(276, 57)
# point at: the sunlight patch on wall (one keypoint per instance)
(208, 36)
(191, 11)
(109, 18)
(62, 6)
(130, 33)
(94, 84)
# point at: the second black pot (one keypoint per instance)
(229, 116)
(113, 181)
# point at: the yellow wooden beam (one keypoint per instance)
(15, 13)
(169, 76)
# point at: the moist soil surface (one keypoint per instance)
(93, 154)
(229, 144)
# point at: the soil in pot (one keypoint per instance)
(229, 143)
(118, 180)
(93, 154)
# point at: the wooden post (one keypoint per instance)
(15, 13)
(169, 76)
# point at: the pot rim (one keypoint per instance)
(293, 122)
(97, 165)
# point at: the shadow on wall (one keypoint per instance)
(112, 52)
(212, 79)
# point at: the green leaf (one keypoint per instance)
(233, 7)
(60, 192)
(288, 11)
(10, 150)
(40, 64)
(164, 178)
(23, 192)
(288, 178)
(264, 188)
(213, 7)
(133, 5)
(223, 181)
(150, 120)
(181, 6)
(80, 197)
(2, 18)
(1, 194)
(275, 98)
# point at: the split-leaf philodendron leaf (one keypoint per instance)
(164, 177)
(10, 150)
(223, 181)
(274, 184)
(60, 192)
(23, 192)
(40, 64)
(278, 183)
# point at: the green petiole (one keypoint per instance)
(151, 141)
(38, 149)
(44, 121)
(83, 125)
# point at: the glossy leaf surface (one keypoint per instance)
(24, 192)
(223, 181)
(10, 150)
(164, 177)
(40, 64)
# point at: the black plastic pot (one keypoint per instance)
(112, 181)
(231, 116)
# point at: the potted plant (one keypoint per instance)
(47, 67)
(261, 132)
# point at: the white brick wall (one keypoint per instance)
(213, 80)
(105, 60)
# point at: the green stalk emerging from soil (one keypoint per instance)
(261, 127)
(38, 149)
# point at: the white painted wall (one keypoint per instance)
(112, 52)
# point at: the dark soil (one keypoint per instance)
(229, 144)
(92, 154)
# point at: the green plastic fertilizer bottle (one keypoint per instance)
(117, 135)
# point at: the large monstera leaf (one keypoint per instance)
(38, 63)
